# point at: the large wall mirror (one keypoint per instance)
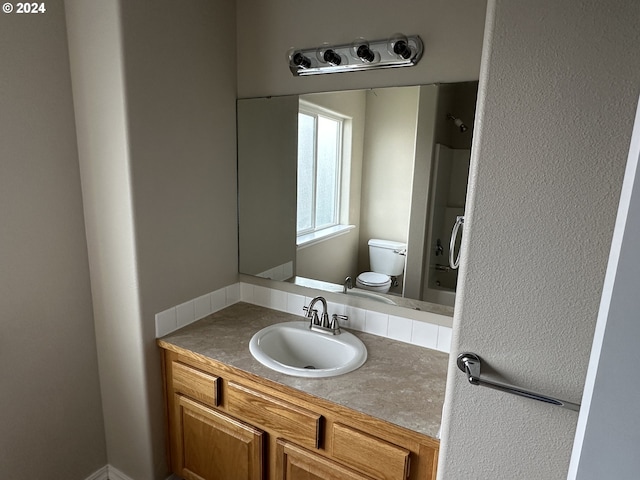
(337, 186)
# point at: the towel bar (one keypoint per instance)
(470, 364)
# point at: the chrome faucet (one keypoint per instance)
(322, 324)
(312, 314)
(348, 284)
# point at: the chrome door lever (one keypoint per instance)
(470, 364)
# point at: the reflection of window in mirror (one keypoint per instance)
(320, 170)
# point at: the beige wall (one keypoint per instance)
(387, 172)
(452, 32)
(418, 226)
(99, 98)
(267, 167)
(558, 92)
(50, 411)
(155, 114)
(182, 144)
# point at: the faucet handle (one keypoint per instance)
(334, 320)
(312, 315)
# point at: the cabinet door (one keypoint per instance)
(209, 445)
(370, 454)
(296, 463)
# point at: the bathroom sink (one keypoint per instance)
(291, 348)
(371, 296)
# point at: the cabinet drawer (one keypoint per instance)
(195, 383)
(290, 421)
(294, 462)
(369, 454)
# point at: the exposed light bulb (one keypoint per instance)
(361, 50)
(298, 59)
(326, 54)
(399, 45)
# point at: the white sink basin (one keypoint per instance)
(371, 296)
(291, 348)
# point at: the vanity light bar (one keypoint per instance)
(397, 51)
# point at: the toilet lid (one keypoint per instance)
(373, 278)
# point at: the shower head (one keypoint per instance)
(459, 123)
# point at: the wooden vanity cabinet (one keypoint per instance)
(211, 445)
(296, 463)
(225, 424)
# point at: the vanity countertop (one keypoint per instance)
(400, 383)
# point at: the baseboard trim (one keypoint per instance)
(109, 472)
(115, 474)
(102, 474)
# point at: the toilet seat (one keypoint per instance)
(374, 281)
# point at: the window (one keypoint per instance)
(319, 169)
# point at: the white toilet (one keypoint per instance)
(386, 259)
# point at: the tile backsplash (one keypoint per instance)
(416, 332)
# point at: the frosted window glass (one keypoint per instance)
(306, 180)
(319, 164)
(327, 172)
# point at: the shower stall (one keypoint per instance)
(441, 170)
(449, 187)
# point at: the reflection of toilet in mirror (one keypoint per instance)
(386, 259)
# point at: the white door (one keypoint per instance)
(607, 442)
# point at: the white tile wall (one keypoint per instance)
(261, 296)
(232, 294)
(166, 322)
(202, 306)
(246, 292)
(424, 334)
(188, 312)
(376, 323)
(356, 318)
(400, 328)
(444, 339)
(295, 303)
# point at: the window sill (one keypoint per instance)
(309, 239)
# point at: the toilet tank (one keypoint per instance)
(384, 258)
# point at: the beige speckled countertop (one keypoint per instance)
(399, 383)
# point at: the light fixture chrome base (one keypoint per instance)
(397, 51)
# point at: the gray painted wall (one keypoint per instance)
(50, 409)
(608, 410)
(181, 109)
(156, 134)
(558, 90)
(267, 168)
